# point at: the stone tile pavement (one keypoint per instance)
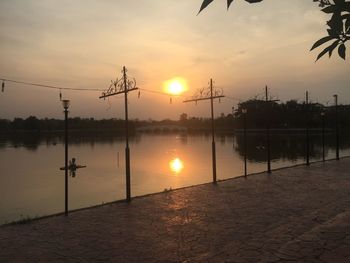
(299, 214)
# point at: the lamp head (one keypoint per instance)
(65, 104)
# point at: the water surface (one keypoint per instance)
(31, 183)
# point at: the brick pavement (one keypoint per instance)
(297, 214)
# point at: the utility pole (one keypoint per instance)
(65, 104)
(120, 86)
(209, 94)
(268, 101)
(307, 129)
(244, 112)
(336, 126)
(323, 135)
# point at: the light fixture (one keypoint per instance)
(65, 104)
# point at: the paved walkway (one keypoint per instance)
(296, 214)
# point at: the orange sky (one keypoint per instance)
(85, 44)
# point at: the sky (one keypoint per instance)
(85, 44)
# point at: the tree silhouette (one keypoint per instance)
(338, 26)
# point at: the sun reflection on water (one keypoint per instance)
(176, 165)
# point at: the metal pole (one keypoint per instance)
(323, 136)
(268, 133)
(213, 131)
(233, 128)
(336, 126)
(66, 161)
(307, 130)
(245, 143)
(127, 150)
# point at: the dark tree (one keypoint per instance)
(338, 31)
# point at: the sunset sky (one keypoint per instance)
(85, 44)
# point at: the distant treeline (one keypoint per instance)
(288, 115)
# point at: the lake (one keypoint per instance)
(31, 183)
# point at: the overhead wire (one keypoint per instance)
(47, 86)
(160, 92)
(61, 88)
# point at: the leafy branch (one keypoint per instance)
(338, 26)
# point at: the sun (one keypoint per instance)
(175, 86)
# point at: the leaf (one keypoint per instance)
(253, 1)
(229, 2)
(330, 9)
(341, 51)
(321, 41)
(332, 47)
(328, 49)
(205, 4)
(347, 24)
(339, 3)
(336, 23)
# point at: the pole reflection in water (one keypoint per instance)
(161, 161)
(176, 166)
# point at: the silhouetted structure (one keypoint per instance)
(123, 85)
(209, 95)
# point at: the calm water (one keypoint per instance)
(31, 183)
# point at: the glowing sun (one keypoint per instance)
(175, 86)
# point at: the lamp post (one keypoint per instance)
(268, 112)
(213, 131)
(323, 139)
(244, 111)
(120, 86)
(307, 129)
(65, 104)
(209, 94)
(336, 125)
(233, 128)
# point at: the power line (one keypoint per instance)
(47, 86)
(78, 89)
(160, 93)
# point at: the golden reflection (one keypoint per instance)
(176, 165)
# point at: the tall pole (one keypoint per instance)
(245, 140)
(268, 132)
(209, 94)
(213, 131)
(323, 136)
(66, 161)
(127, 150)
(123, 85)
(233, 128)
(336, 126)
(307, 130)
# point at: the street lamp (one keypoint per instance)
(307, 129)
(336, 125)
(66, 104)
(209, 94)
(244, 111)
(233, 127)
(323, 140)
